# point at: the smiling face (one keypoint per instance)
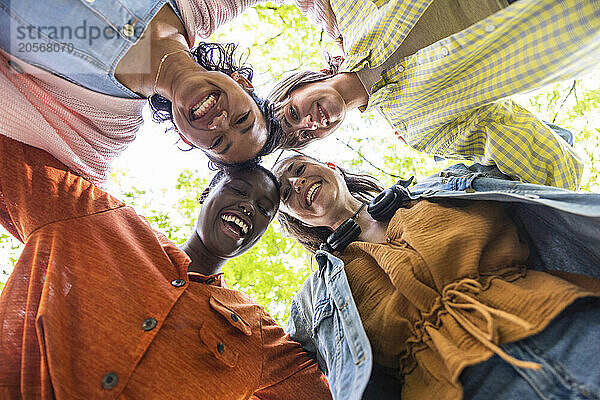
(237, 212)
(313, 111)
(215, 112)
(311, 191)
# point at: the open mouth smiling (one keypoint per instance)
(312, 192)
(323, 114)
(235, 226)
(203, 107)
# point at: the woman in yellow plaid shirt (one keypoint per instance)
(436, 70)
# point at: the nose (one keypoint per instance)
(247, 209)
(308, 123)
(297, 184)
(219, 121)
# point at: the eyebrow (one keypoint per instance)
(246, 130)
(288, 170)
(225, 150)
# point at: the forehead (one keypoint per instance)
(256, 179)
(284, 166)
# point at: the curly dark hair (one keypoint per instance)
(362, 187)
(221, 57)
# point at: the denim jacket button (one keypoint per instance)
(469, 190)
(128, 30)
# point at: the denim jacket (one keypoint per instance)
(563, 229)
(79, 40)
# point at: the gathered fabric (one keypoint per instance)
(447, 289)
(465, 290)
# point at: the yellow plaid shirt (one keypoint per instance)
(442, 99)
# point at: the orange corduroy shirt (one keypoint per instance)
(447, 289)
(100, 306)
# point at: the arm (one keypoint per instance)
(36, 189)
(203, 17)
(523, 47)
(507, 135)
(287, 371)
(298, 327)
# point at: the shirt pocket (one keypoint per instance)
(322, 316)
(223, 343)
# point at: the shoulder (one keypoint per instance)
(38, 189)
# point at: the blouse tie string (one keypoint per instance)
(453, 292)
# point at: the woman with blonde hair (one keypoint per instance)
(463, 286)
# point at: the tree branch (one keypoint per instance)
(565, 100)
(367, 161)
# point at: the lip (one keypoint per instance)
(211, 113)
(318, 190)
(325, 113)
(231, 233)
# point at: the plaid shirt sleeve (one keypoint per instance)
(505, 134)
(523, 47)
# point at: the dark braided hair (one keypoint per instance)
(362, 187)
(221, 57)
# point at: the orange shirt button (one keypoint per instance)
(221, 348)
(110, 380)
(149, 324)
(234, 317)
(178, 282)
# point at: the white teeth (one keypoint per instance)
(310, 193)
(323, 119)
(202, 107)
(232, 218)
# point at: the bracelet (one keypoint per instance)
(162, 60)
